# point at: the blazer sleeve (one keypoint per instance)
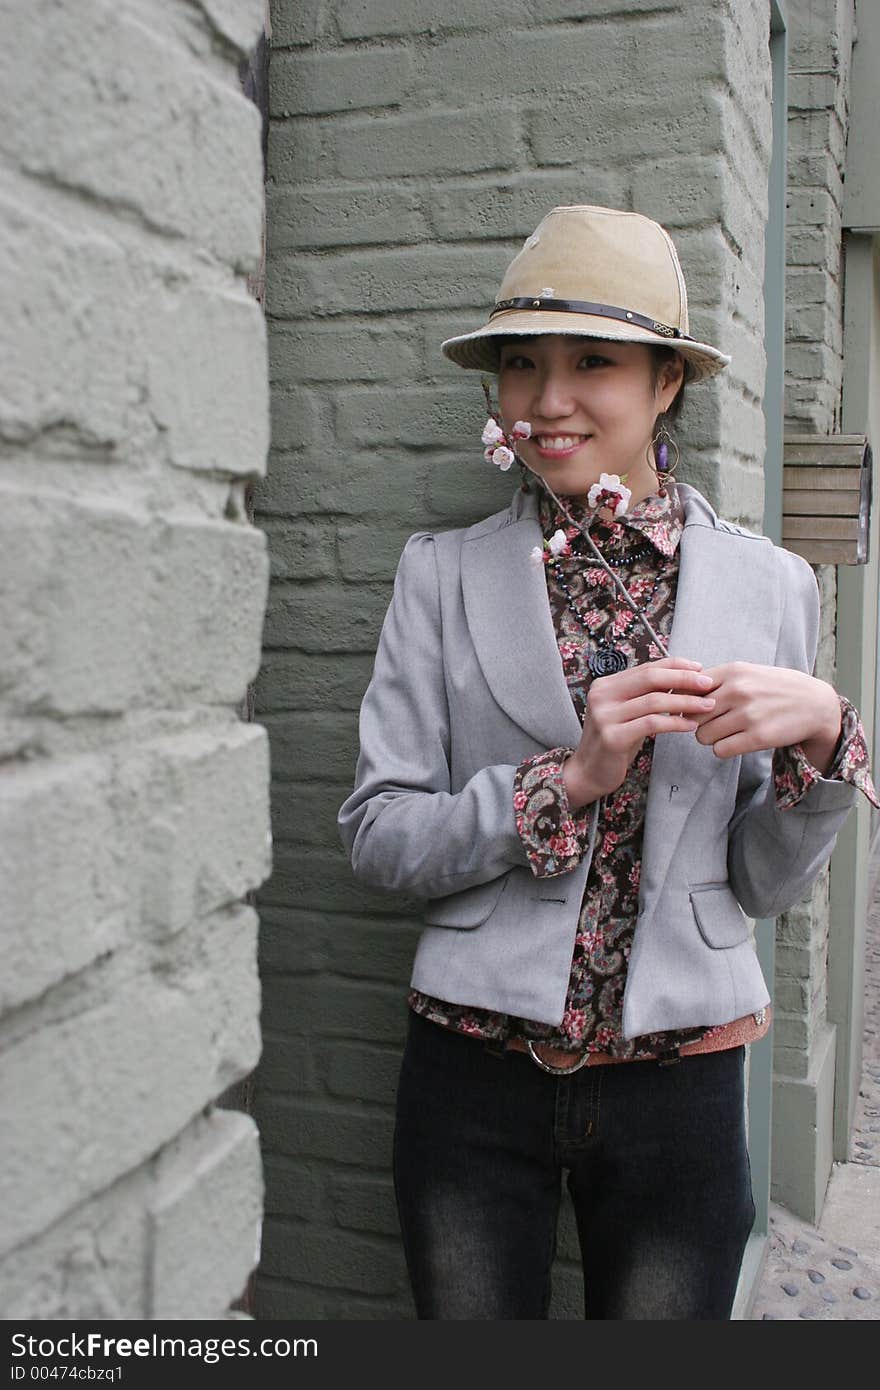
(775, 854)
(403, 827)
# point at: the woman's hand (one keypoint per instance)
(666, 696)
(770, 707)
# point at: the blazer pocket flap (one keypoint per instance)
(468, 908)
(720, 918)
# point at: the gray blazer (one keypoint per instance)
(468, 682)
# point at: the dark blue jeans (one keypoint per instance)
(657, 1168)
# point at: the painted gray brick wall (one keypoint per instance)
(133, 801)
(821, 35)
(412, 148)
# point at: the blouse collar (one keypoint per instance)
(659, 519)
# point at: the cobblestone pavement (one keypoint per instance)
(833, 1271)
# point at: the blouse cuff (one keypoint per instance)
(794, 774)
(553, 837)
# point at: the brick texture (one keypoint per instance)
(821, 37)
(83, 1103)
(412, 148)
(134, 800)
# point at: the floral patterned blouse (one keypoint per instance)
(588, 615)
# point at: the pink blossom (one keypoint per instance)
(558, 544)
(503, 457)
(492, 432)
(522, 430)
(610, 492)
(536, 555)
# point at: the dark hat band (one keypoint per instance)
(581, 306)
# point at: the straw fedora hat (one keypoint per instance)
(597, 273)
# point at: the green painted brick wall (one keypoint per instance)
(821, 39)
(412, 148)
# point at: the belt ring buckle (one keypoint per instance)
(548, 1067)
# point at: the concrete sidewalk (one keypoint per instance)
(833, 1270)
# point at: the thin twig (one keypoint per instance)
(624, 592)
(622, 589)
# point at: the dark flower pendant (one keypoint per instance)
(607, 661)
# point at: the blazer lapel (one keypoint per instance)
(727, 608)
(508, 613)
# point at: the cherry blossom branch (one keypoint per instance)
(501, 451)
(621, 587)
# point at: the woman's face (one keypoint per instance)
(591, 403)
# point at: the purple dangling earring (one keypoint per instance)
(660, 463)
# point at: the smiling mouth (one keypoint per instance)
(559, 443)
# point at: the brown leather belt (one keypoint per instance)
(558, 1060)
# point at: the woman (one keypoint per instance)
(592, 742)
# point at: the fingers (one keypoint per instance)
(671, 662)
(685, 677)
(734, 745)
(679, 706)
(661, 675)
(652, 724)
(620, 731)
(727, 733)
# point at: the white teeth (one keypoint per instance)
(559, 441)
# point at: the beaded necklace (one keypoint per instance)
(637, 554)
(606, 660)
